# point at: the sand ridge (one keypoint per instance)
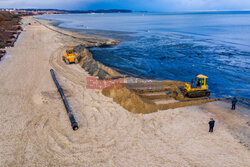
(35, 130)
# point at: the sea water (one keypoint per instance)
(174, 46)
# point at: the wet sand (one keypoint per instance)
(35, 130)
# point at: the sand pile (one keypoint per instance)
(129, 100)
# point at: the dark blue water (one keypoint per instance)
(175, 46)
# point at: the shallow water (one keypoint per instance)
(175, 46)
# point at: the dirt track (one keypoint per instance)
(35, 130)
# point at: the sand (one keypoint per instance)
(35, 130)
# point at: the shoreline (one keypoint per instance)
(89, 39)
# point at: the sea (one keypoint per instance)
(173, 46)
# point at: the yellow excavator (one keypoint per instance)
(70, 57)
(197, 87)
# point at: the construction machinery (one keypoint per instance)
(70, 57)
(197, 87)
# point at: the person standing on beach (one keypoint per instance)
(234, 101)
(211, 125)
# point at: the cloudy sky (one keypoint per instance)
(149, 5)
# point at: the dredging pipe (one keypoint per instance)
(66, 104)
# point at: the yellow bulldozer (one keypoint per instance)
(70, 57)
(197, 87)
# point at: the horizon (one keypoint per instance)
(136, 5)
(184, 11)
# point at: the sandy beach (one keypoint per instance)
(35, 130)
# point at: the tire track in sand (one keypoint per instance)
(61, 68)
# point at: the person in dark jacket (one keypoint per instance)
(234, 101)
(211, 125)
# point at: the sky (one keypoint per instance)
(136, 5)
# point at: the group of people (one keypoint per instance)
(212, 121)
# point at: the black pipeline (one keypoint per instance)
(60, 90)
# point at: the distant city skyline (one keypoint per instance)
(136, 5)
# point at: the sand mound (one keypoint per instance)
(129, 100)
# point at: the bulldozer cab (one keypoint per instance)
(200, 82)
(70, 51)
